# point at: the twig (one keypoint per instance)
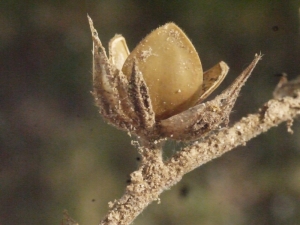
(154, 176)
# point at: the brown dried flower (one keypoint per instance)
(156, 91)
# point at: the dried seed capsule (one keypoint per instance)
(118, 51)
(171, 68)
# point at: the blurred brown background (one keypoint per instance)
(56, 153)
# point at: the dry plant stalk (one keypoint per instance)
(126, 100)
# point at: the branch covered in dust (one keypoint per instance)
(154, 176)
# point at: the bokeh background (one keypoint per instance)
(56, 152)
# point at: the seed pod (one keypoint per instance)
(171, 68)
(118, 51)
(163, 76)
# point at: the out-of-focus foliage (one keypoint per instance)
(56, 153)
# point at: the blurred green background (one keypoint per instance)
(56, 152)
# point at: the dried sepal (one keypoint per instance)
(106, 84)
(139, 94)
(203, 118)
(123, 103)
